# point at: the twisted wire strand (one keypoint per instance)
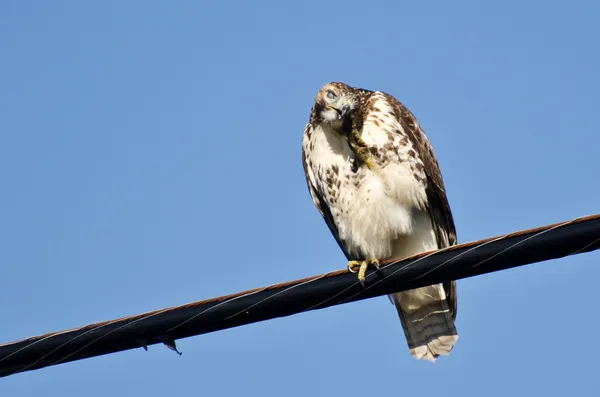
(277, 292)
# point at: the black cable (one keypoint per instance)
(167, 325)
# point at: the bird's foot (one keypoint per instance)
(360, 267)
(361, 151)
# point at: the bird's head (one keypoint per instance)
(334, 103)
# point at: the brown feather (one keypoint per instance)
(437, 205)
(320, 204)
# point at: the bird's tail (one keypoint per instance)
(427, 320)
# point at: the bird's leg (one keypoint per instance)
(357, 138)
(360, 149)
(360, 267)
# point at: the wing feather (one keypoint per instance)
(319, 202)
(438, 205)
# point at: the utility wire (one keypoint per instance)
(285, 299)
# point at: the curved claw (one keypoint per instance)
(360, 267)
(354, 266)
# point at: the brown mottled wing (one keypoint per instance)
(438, 206)
(320, 203)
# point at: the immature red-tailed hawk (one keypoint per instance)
(373, 175)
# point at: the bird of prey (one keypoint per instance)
(373, 175)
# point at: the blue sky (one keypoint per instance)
(150, 157)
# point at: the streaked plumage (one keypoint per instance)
(387, 202)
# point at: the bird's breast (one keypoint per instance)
(366, 213)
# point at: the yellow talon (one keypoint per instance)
(360, 147)
(361, 268)
(353, 266)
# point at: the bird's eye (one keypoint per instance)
(330, 95)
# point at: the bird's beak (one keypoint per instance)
(342, 112)
(345, 110)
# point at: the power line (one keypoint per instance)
(166, 325)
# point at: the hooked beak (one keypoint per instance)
(343, 112)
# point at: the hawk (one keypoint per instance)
(373, 175)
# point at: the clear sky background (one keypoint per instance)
(150, 157)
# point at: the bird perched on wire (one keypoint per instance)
(373, 175)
